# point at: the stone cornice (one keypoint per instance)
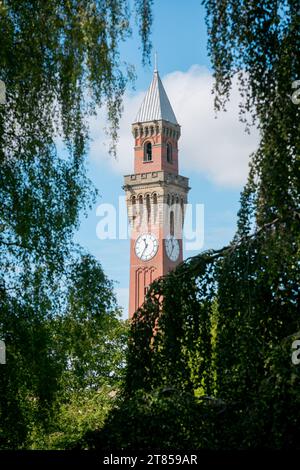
(155, 178)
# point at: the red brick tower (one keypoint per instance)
(155, 194)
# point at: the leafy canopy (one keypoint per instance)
(219, 328)
(59, 61)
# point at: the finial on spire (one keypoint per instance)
(155, 61)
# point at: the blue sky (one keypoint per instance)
(213, 153)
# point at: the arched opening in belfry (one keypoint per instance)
(169, 153)
(148, 152)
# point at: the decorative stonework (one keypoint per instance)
(154, 128)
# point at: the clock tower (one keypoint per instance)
(155, 194)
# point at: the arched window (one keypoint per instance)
(182, 210)
(147, 152)
(139, 211)
(169, 152)
(172, 223)
(155, 207)
(133, 201)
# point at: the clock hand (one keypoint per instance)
(172, 246)
(146, 245)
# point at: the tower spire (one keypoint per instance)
(156, 105)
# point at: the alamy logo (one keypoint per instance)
(2, 92)
(296, 95)
(114, 222)
(296, 352)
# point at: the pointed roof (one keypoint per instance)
(156, 104)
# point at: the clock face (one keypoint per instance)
(146, 246)
(172, 248)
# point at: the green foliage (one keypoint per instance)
(59, 61)
(89, 334)
(209, 358)
(56, 361)
(29, 379)
(94, 356)
(257, 43)
(220, 326)
(94, 351)
(81, 412)
(164, 418)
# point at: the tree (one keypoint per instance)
(59, 60)
(92, 336)
(257, 42)
(62, 361)
(90, 341)
(221, 325)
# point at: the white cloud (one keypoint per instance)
(217, 148)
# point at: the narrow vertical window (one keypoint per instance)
(182, 210)
(147, 152)
(133, 202)
(148, 205)
(140, 210)
(154, 208)
(172, 223)
(169, 153)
